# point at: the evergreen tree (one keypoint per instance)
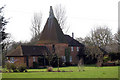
(3, 35)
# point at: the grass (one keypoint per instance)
(0, 73)
(90, 72)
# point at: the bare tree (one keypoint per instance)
(95, 52)
(7, 43)
(81, 65)
(36, 26)
(60, 14)
(101, 36)
(117, 38)
(80, 39)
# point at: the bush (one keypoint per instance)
(68, 64)
(22, 68)
(117, 63)
(8, 66)
(63, 64)
(14, 67)
(54, 61)
(49, 69)
(11, 67)
(106, 59)
(41, 60)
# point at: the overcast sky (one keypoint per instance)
(82, 15)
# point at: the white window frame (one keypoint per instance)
(33, 58)
(11, 59)
(72, 49)
(64, 58)
(77, 48)
(70, 58)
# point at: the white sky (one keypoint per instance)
(82, 15)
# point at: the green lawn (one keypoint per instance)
(90, 72)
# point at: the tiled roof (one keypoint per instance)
(16, 52)
(52, 33)
(27, 50)
(73, 42)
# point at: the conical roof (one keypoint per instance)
(52, 33)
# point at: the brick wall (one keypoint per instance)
(31, 60)
(59, 48)
(19, 60)
(74, 55)
(22, 60)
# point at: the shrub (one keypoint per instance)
(26, 70)
(41, 60)
(117, 62)
(63, 64)
(106, 59)
(54, 61)
(8, 66)
(49, 69)
(68, 64)
(13, 67)
(22, 68)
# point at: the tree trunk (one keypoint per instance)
(100, 60)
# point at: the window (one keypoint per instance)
(53, 48)
(64, 58)
(71, 48)
(33, 59)
(70, 58)
(11, 59)
(77, 48)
